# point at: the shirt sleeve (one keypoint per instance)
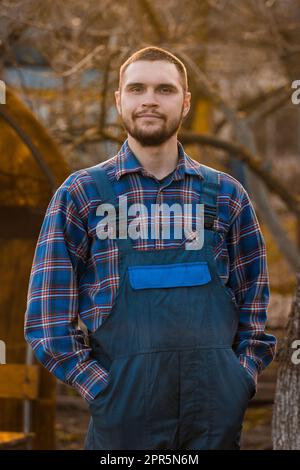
(51, 318)
(249, 280)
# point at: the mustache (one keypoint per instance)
(149, 112)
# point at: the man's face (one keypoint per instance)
(151, 102)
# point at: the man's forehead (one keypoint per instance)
(161, 72)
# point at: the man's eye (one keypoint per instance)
(137, 89)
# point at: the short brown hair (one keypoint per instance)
(153, 53)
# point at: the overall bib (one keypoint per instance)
(174, 380)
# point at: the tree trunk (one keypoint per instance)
(286, 412)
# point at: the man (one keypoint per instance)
(176, 336)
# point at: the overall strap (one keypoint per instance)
(210, 191)
(103, 184)
(107, 195)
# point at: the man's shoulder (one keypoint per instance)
(232, 196)
(228, 184)
(81, 181)
(231, 186)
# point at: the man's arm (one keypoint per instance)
(52, 305)
(249, 280)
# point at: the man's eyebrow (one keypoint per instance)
(170, 85)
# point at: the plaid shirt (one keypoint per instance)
(75, 274)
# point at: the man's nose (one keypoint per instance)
(149, 98)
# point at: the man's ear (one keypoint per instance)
(118, 100)
(187, 103)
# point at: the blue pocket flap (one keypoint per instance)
(169, 275)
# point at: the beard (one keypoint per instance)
(151, 136)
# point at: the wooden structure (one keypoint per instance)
(31, 168)
(20, 382)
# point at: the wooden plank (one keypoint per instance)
(19, 381)
(43, 413)
(16, 259)
(12, 439)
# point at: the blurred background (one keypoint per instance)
(59, 65)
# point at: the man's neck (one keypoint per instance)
(158, 161)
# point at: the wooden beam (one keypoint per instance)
(12, 440)
(19, 381)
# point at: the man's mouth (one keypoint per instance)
(149, 116)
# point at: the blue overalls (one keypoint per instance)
(174, 380)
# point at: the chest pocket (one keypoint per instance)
(169, 275)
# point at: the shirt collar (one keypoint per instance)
(127, 162)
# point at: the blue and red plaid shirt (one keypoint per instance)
(75, 274)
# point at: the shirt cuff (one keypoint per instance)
(89, 380)
(252, 368)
